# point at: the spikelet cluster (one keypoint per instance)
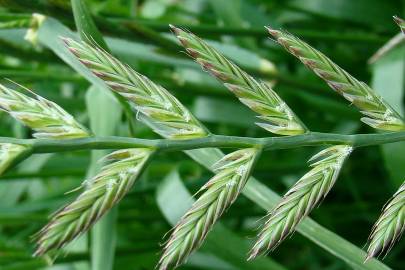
(401, 23)
(219, 193)
(152, 100)
(389, 226)
(45, 117)
(101, 193)
(8, 153)
(299, 201)
(377, 113)
(257, 95)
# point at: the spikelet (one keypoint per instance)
(401, 23)
(46, 118)
(9, 152)
(103, 192)
(220, 192)
(299, 201)
(389, 226)
(378, 113)
(150, 99)
(256, 95)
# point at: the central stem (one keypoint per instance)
(268, 143)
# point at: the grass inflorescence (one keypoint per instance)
(218, 194)
(45, 117)
(173, 120)
(257, 95)
(389, 226)
(101, 193)
(152, 100)
(377, 112)
(299, 201)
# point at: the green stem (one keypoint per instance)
(129, 27)
(39, 75)
(214, 30)
(267, 143)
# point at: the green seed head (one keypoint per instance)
(277, 117)
(101, 193)
(377, 113)
(172, 119)
(219, 193)
(389, 226)
(45, 117)
(299, 201)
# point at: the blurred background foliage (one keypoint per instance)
(348, 31)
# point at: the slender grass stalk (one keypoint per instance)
(301, 199)
(17, 23)
(257, 95)
(378, 113)
(392, 43)
(8, 154)
(232, 172)
(389, 46)
(116, 26)
(46, 118)
(210, 141)
(152, 100)
(101, 193)
(389, 226)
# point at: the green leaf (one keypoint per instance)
(230, 15)
(220, 242)
(103, 123)
(11, 192)
(388, 81)
(215, 110)
(359, 11)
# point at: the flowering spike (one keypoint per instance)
(256, 95)
(103, 192)
(356, 92)
(152, 100)
(389, 226)
(232, 172)
(45, 117)
(299, 201)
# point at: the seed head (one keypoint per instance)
(220, 192)
(257, 95)
(299, 201)
(101, 193)
(389, 226)
(173, 120)
(45, 117)
(378, 113)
